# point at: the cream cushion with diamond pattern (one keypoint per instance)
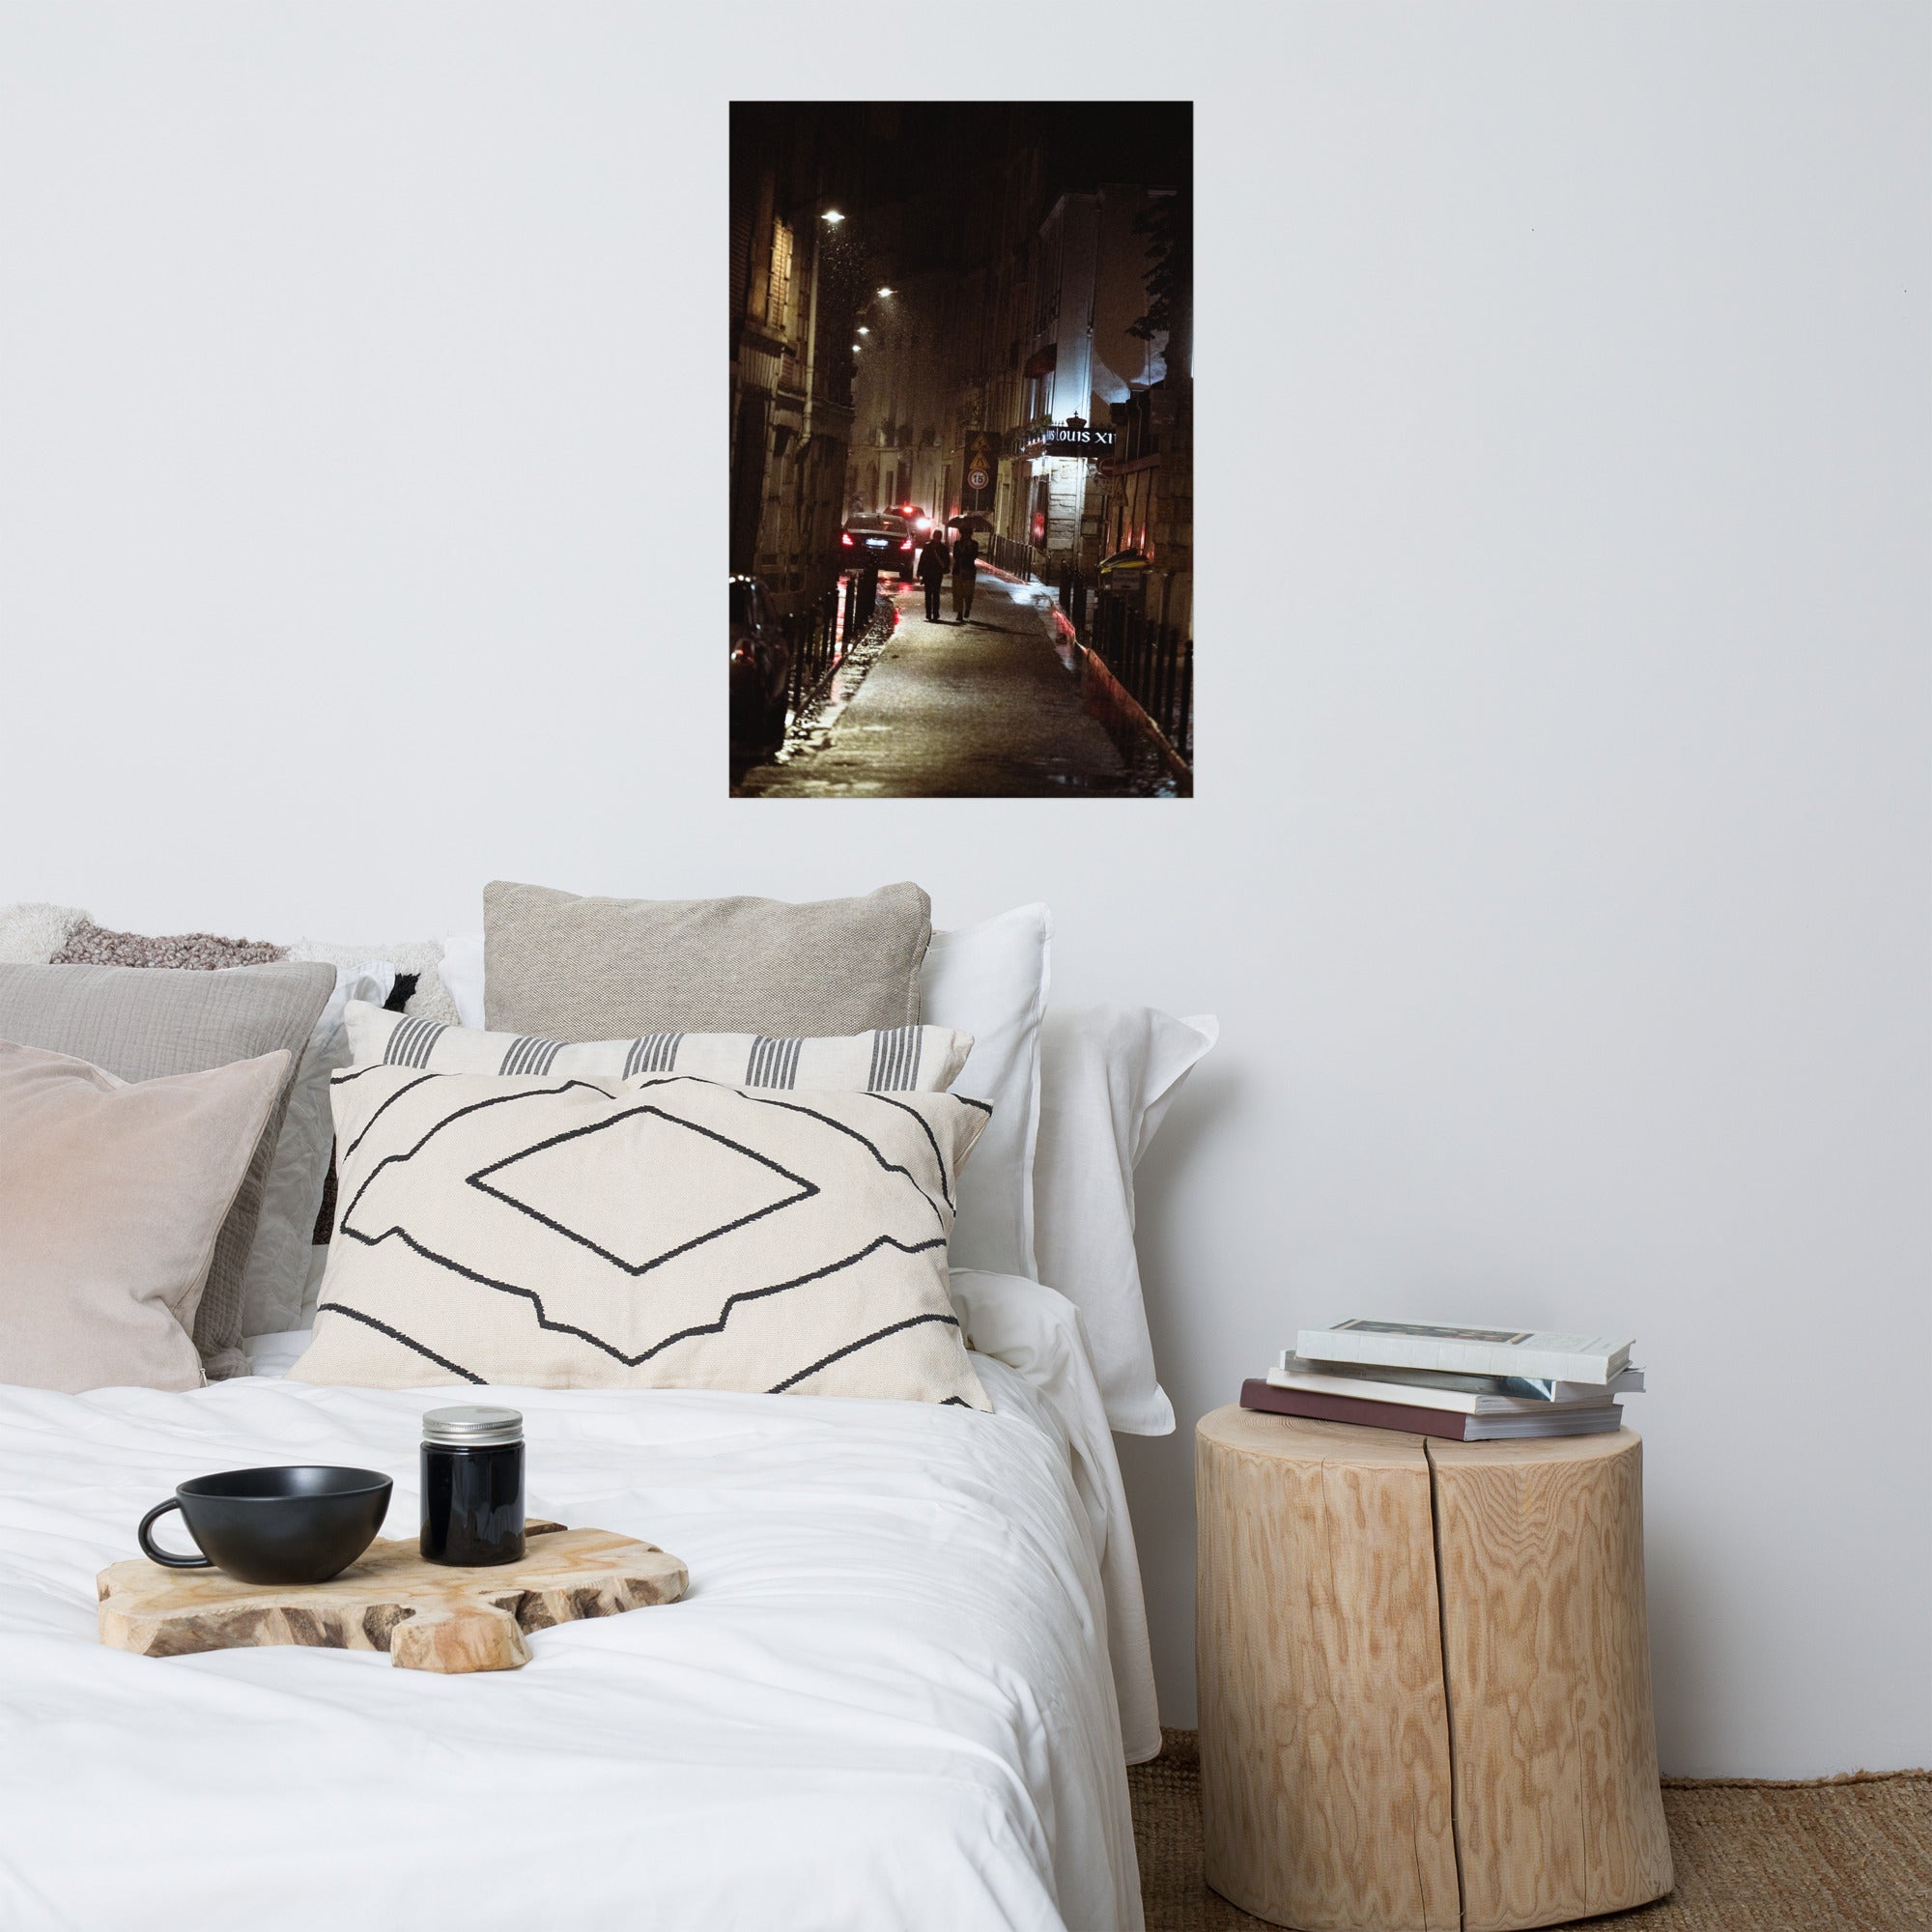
(662, 1232)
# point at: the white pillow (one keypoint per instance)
(421, 956)
(1108, 1077)
(462, 975)
(990, 980)
(277, 1265)
(32, 933)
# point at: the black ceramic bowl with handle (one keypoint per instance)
(300, 1525)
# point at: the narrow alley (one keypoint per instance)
(991, 707)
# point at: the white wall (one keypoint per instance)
(1558, 869)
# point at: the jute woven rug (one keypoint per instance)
(1848, 1854)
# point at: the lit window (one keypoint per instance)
(779, 292)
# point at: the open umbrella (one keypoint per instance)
(968, 521)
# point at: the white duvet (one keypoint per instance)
(886, 1701)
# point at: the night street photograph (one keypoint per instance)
(961, 463)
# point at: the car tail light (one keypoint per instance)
(907, 544)
(845, 537)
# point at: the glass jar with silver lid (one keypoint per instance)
(473, 1486)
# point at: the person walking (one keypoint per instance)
(965, 575)
(934, 564)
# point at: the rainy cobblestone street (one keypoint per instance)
(985, 709)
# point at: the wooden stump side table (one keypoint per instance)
(1424, 1677)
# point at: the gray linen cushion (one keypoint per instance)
(568, 968)
(141, 1025)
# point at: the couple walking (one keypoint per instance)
(936, 562)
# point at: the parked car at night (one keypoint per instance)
(760, 672)
(881, 542)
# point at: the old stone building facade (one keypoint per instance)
(793, 284)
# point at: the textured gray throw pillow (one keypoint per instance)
(142, 1025)
(572, 969)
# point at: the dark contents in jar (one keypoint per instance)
(472, 1492)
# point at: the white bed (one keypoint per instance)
(889, 1700)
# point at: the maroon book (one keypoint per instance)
(1562, 1419)
(1257, 1394)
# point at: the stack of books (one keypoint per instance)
(1467, 1385)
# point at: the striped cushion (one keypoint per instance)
(895, 1060)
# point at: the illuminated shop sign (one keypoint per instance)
(1065, 439)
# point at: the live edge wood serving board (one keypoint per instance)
(428, 1616)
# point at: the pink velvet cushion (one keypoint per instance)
(112, 1196)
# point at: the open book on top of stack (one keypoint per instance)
(1467, 1385)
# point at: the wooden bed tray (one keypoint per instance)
(428, 1616)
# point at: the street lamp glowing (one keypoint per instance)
(855, 347)
(885, 291)
(833, 216)
(864, 330)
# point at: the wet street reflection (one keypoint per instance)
(996, 706)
